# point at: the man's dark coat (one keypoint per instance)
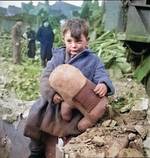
(46, 37)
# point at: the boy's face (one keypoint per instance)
(75, 46)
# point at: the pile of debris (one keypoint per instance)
(116, 135)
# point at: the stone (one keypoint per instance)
(125, 108)
(132, 136)
(101, 155)
(147, 150)
(78, 140)
(137, 144)
(128, 120)
(146, 143)
(113, 123)
(98, 141)
(106, 123)
(113, 151)
(118, 143)
(120, 121)
(128, 152)
(139, 110)
(86, 141)
(119, 129)
(25, 114)
(141, 130)
(121, 142)
(130, 128)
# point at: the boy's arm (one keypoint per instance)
(101, 89)
(46, 90)
(101, 76)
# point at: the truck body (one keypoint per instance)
(131, 18)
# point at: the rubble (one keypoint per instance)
(128, 152)
(123, 136)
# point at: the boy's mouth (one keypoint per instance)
(74, 51)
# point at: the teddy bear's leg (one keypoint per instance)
(66, 111)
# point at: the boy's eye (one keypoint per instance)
(68, 40)
(78, 40)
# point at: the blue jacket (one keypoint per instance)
(46, 37)
(47, 115)
(86, 61)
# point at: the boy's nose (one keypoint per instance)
(73, 44)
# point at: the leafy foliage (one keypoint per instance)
(23, 79)
(58, 39)
(111, 52)
(119, 103)
(86, 13)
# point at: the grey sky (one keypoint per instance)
(5, 4)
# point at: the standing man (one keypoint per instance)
(31, 36)
(46, 37)
(16, 39)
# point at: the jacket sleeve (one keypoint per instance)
(14, 35)
(101, 76)
(39, 35)
(46, 90)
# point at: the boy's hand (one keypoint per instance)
(101, 89)
(57, 99)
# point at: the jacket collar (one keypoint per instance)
(83, 53)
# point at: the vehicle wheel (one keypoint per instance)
(147, 86)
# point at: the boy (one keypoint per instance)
(48, 107)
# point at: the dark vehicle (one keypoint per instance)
(132, 19)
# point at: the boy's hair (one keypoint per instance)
(76, 27)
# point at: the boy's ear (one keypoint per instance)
(63, 39)
(87, 40)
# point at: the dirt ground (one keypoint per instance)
(118, 135)
(95, 141)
